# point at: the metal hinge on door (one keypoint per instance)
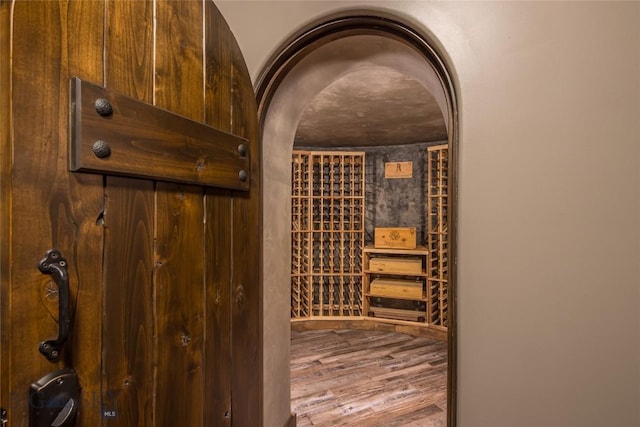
(4, 422)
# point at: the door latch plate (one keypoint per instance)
(54, 399)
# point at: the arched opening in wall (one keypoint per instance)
(359, 130)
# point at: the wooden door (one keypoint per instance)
(163, 270)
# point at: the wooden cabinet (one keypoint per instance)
(395, 283)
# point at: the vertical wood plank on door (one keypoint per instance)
(246, 314)
(217, 365)
(53, 207)
(217, 355)
(179, 63)
(217, 69)
(5, 195)
(128, 329)
(128, 332)
(179, 306)
(129, 48)
(179, 279)
(85, 25)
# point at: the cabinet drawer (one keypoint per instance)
(396, 288)
(400, 314)
(396, 265)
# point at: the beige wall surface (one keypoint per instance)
(549, 195)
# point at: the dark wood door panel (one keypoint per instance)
(180, 294)
(246, 351)
(129, 332)
(217, 362)
(5, 197)
(160, 273)
(218, 233)
(51, 208)
(129, 328)
(180, 300)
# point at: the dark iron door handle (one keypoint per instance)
(55, 265)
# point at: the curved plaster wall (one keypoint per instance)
(309, 77)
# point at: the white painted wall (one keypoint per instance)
(549, 247)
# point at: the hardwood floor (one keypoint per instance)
(352, 377)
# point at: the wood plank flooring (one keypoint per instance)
(351, 377)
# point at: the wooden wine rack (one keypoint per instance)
(437, 235)
(327, 234)
(300, 236)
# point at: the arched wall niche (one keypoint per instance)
(309, 62)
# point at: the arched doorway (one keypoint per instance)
(309, 62)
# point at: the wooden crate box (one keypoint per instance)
(395, 237)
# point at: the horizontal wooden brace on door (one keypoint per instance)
(116, 135)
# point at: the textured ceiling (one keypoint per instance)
(372, 106)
